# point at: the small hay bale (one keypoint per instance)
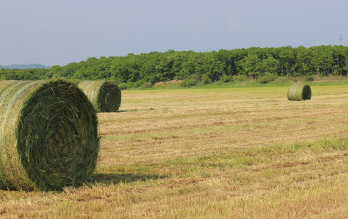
(105, 96)
(48, 135)
(299, 91)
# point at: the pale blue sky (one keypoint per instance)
(62, 31)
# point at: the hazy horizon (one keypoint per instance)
(57, 33)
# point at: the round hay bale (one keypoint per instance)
(299, 91)
(48, 135)
(104, 95)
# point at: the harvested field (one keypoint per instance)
(242, 152)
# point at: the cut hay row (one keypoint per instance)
(105, 96)
(299, 91)
(48, 135)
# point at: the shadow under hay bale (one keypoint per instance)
(113, 179)
(104, 95)
(299, 91)
(48, 135)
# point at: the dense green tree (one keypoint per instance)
(146, 69)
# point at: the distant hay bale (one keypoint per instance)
(48, 135)
(105, 96)
(299, 91)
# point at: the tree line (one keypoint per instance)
(146, 69)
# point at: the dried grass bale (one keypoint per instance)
(48, 135)
(299, 91)
(104, 95)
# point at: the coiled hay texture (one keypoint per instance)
(299, 91)
(105, 96)
(48, 135)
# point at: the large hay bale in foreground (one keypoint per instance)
(48, 135)
(299, 91)
(104, 95)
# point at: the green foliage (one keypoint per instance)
(147, 85)
(189, 82)
(240, 78)
(198, 67)
(123, 86)
(268, 77)
(254, 66)
(24, 74)
(309, 78)
(226, 78)
(205, 79)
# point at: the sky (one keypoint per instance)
(58, 32)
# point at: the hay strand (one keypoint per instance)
(104, 95)
(299, 91)
(48, 135)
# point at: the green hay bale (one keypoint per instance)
(48, 135)
(105, 96)
(299, 91)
